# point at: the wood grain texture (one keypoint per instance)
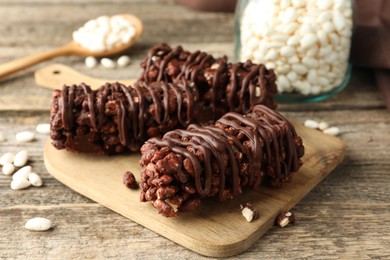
(345, 217)
(215, 229)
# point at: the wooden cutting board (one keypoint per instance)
(216, 228)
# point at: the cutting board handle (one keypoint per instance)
(55, 76)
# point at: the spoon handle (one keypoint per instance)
(25, 62)
(54, 76)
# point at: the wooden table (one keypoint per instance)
(346, 217)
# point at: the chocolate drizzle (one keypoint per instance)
(241, 85)
(132, 109)
(250, 84)
(67, 100)
(159, 50)
(238, 151)
(212, 143)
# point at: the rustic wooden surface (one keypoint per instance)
(346, 217)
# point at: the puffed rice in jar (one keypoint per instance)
(306, 42)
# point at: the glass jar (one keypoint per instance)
(306, 42)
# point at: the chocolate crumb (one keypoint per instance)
(285, 218)
(129, 180)
(249, 212)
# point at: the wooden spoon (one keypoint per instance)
(71, 48)
(55, 76)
